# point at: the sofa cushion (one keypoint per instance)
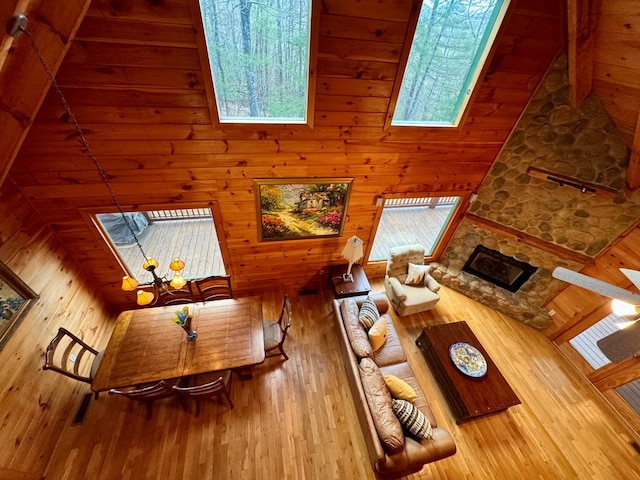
(380, 406)
(368, 314)
(412, 419)
(378, 333)
(358, 338)
(416, 274)
(399, 388)
(391, 351)
(404, 371)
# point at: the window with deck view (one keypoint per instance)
(450, 46)
(189, 234)
(259, 58)
(409, 220)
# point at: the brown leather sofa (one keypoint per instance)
(392, 454)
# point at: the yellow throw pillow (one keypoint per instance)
(378, 334)
(399, 388)
(417, 274)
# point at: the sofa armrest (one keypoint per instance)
(432, 284)
(397, 288)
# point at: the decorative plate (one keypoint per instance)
(468, 359)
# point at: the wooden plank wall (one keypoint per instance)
(33, 401)
(574, 304)
(133, 79)
(616, 62)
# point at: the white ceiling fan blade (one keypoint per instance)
(633, 275)
(597, 286)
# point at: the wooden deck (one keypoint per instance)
(194, 241)
(407, 225)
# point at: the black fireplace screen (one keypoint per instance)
(499, 269)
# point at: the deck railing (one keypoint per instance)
(182, 214)
(431, 202)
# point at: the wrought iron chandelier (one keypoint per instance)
(129, 284)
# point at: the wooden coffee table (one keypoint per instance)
(468, 396)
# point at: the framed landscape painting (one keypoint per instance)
(301, 208)
(15, 300)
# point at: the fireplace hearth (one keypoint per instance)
(501, 270)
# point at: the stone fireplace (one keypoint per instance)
(505, 272)
(565, 223)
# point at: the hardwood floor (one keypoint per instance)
(296, 420)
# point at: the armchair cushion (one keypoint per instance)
(432, 284)
(417, 274)
(407, 282)
(397, 288)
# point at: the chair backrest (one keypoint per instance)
(69, 355)
(204, 390)
(148, 393)
(400, 258)
(286, 316)
(177, 297)
(219, 386)
(216, 287)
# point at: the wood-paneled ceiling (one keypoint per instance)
(130, 70)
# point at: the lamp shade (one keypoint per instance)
(149, 263)
(176, 265)
(129, 284)
(353, 251)
(145, 298)
(177, 281)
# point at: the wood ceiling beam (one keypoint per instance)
(23, 81)
(633, 170)
(580, 33)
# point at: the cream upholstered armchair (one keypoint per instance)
(407, 282)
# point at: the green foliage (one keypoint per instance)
(270, 198)
(449, 39)
(262, 67)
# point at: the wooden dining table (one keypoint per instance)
(147, 346)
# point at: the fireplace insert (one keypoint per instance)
(501, 270)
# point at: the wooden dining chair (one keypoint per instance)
(147, 394)
(69, 355)
(191, 388)
(275, 332)
(177, 297)
(216, 287)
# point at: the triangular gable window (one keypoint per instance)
(258, 53)
(450, 46)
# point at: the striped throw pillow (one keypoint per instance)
(412, 419)
(368, 314)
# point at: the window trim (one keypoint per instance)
(201, 43)
(120, 269)
(486, 58)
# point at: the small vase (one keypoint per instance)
(191, 333)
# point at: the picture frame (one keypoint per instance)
(299, 208)
(15, 300)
